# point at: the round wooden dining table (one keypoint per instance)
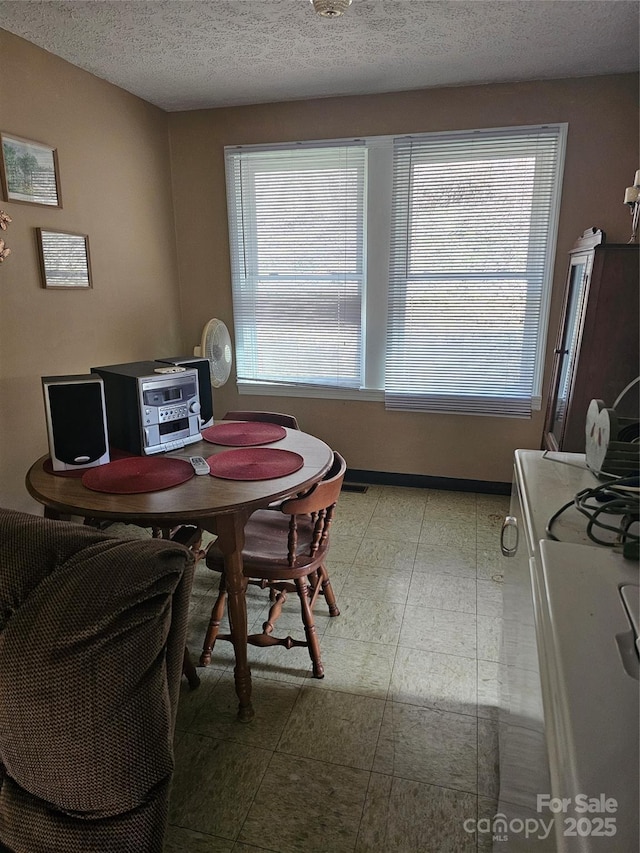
(220, 506)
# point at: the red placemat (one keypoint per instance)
(243, 434)
(137, 474)
(254, 463)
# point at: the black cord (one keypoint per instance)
(553, 518)
(611, 499)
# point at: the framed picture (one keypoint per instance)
(29, 171)
(64, 259)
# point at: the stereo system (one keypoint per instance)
(151, 408)
(76, 421)
(204, 383)
(142, 407)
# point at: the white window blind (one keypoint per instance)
(473, 235)
(297, 232)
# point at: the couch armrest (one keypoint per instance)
(92, 634)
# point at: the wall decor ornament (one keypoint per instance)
(5, 220)
(29, 171)
(632, 198)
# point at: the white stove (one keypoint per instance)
(590, 692)
(569, 716)
(630, 594)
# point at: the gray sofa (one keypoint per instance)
(92, 634)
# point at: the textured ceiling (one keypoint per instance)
(180, 54)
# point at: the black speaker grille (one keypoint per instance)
(77, 421)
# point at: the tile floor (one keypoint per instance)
(397, 746)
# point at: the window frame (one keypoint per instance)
(377, 235)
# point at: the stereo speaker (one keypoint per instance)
(204, 383)
(76, 421)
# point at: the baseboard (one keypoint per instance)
(424, 481)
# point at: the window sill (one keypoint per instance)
(362, 394)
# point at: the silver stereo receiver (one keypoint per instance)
(151, 408)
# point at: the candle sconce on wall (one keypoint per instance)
(5, 251)
(632, 198)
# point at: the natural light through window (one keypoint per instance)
(298, 284)
(425, 282)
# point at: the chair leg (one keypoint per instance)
(264, 584)
(314, 579)
(189, 670)
(191, 537)
(217, 612)
(310, 628)
(275, 610)
(327, 591)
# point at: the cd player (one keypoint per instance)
(151, 408)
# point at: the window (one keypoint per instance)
(415, 270)
(471, 257)
(297, 228)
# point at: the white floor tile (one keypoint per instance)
(396, 747)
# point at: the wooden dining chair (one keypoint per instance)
(266, 417)
(286, 551)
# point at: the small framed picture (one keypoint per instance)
(64, 259)
(29, 171)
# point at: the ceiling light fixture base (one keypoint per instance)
(330, 8)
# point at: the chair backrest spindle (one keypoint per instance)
(318, 532)
(292, 540)
(318, 505)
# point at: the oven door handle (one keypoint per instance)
(510, 522)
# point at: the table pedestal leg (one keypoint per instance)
(53, 514)
(230, 530)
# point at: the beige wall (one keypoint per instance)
(115, 174)
(602, 157)
(115, 156)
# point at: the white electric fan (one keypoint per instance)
(215, 346)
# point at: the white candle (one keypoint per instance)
(636, 183)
